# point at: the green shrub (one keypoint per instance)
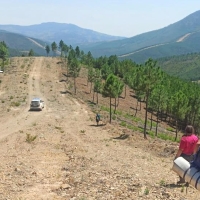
(30, 138)
(118, 112)
(16, 104)
(151, 133)
(170, 129)
(165, 136)
(57, 127)
(162, 183)
(114, 117)
(146, 191)
(105, 108)
(123, 123)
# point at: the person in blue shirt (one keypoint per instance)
(98, 118)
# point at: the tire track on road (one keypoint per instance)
(25, 118)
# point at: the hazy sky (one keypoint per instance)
(114, 17)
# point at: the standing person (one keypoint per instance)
(97, 118)
(187, 146)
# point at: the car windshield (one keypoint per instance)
(35, 103)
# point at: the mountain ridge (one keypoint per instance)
(52, 31)
(170, 33)
(175, 39)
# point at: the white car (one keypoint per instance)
(37, 104)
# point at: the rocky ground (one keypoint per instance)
(60, 153)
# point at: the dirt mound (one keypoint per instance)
(60, 153)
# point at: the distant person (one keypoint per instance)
(98, 118)
(187, 146)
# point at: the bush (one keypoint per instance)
(16, 104)
(123, 123)
(30, 138)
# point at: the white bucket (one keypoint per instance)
(190, 174)
(180, 166)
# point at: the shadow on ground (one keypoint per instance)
(173, 185)
(121, 137)
(98, 125)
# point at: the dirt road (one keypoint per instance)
(71, 158)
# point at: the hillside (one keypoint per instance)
(176, 39)
(54, 32)
(183, 46)
(184, 66)
(20, 44)
(72, 158)
(168, 41)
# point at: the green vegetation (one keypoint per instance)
(74, 66)
(30, 138)
(47, 48)
(15, 104)
(60, 129)
(164, 50)
(184, 66)
(156, 44)
(132, 119)
(54, 48)
(165, 97)
(20, 45)
(3, 53)
(146, 191)
(31, 53)
(162, 183)
(34, 124)
(112, 88)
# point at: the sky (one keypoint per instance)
(113, 17)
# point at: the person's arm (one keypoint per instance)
(178, 153)
(181, 147)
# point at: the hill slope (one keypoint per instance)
(72, 158)
(184, 45)
(19, 44)
(176, 39)
(170, 40)
(184, 66)
(69, 33)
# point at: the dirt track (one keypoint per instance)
(24, 117)
(72, 158)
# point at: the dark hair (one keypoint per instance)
(189, 130)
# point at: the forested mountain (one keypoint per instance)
(20, 44)
(184, 66)
(69, 33)
(184, 45)
(179, 38)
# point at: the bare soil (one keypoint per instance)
(60, 154)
